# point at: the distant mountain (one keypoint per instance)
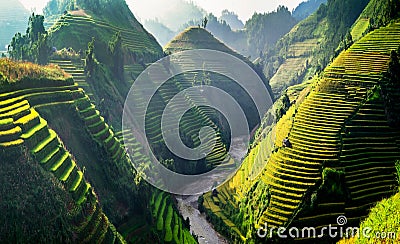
(264, 30)
(311, 44)
(161, 32)
(235, 39)
(306, 8)
(13, 18)
(172, 13)
(232, 19)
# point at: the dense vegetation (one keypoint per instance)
(11, 72)
(311, 45)
(264, 30)
(33, 46)
(232, 19)
(27, 189)
(307, 8)
(390, 89)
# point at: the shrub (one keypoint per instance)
(333, 183)
(3, 79)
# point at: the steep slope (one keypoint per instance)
(80, 148)
(199, 38)
(376, 14)
(14, 18)
(27, 136)
(306, 8)
(343, 155)
(104, 86)
(311, 44)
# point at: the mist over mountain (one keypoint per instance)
(162, 33)
(13, 19)
(172, 14)
(232, 19)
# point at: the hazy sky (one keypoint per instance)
(144, 9)
(149, 9)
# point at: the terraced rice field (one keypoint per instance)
(190, 124)
(299, 54)
(290, 70)
(20, 124)
(323, 135)
(132, 72)
(168, 220)
(97, 127)
(135, 40)
(359, 28)
(77, 72)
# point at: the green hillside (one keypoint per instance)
(311, 44)
(27, 136)
(343, 155)
(376, 14)
(90, 124)
(78, 149)
(199, 38)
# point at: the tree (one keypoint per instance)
(390, 88)
(90, 59)
(33, 46)
(348, 41)
(115, 48)
(43, 49)
(36, 27)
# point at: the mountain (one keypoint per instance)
(172, 14)
(306, 8)
(84, 149)
(340, 163)
(329, 171)
(162, 33)
(232, 19)
(375, 15)
(264, 30)
(49, 182)
(14, 18)
(311, 44)
(199, 38)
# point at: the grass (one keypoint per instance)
(160, 215)
(168, 221)
(382, 221)
(22, 70)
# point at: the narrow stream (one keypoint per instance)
(188, 206)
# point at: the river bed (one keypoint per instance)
(188, 206)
